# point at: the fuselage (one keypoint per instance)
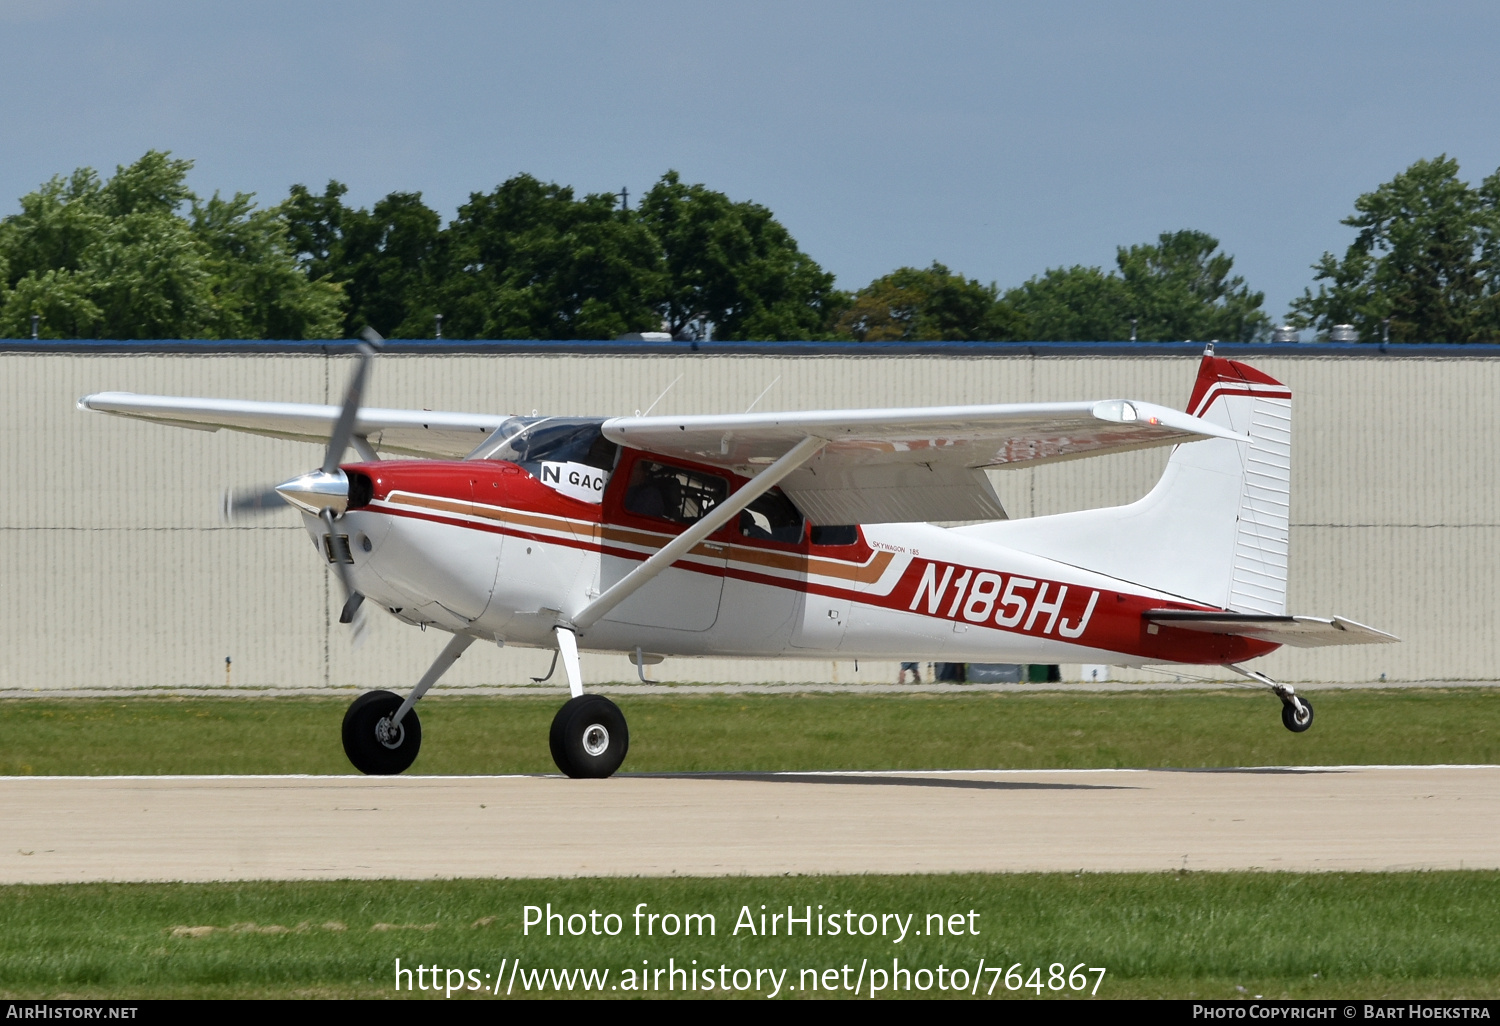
(495, 549)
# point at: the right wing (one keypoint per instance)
(904, 465)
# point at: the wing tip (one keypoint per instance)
(94, 401)
(1374, 634)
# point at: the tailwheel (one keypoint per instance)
(1296, 714)
(589, 737)
(1296, 711)
(373, 744)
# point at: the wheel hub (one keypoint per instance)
(389, 734)
(595, 739)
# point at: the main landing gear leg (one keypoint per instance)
(1296, 711)
(382, 734)
(589, 737)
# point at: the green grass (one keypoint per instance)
(1158, 935)
(758, 732)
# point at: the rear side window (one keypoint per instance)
(673, 493)
(841, 534)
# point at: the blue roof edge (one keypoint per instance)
(503, 347)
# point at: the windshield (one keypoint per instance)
(532, 440)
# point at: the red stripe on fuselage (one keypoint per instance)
(977, 596)
(1074, 614)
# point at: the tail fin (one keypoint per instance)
(1252, 403)
(1214, 529)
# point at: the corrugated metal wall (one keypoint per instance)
(119, 574)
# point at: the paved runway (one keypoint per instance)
(233, 828)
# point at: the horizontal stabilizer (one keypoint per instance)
(1297, 631)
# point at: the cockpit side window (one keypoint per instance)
(772, 517)
(673, 493)
(568, 454)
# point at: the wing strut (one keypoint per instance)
(685, 542)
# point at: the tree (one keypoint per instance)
(387, 260)
(117, 259)
(106, 258)
(731, 265)
(1177, 289)
(530, 261)
(1073, 304)
(1425, 257)
(257, 288)
(928, 305)
(1180, 288)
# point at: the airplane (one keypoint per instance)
(800, 534)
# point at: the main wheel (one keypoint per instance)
(369, 740)
(589, 737)
(1290, 720)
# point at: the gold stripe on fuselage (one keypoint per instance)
(793, 562)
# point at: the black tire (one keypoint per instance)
(589, 737)
(364, 747)
(1289, 717)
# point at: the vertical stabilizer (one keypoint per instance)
(1215, 527)
(1252, 403)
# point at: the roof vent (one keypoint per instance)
(1286, 333)
(1343, 333)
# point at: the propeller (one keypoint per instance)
(334, 485)
(323, 492)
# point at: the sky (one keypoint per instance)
(998, 138)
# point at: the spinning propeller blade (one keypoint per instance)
(343, 434)
(339, 549)
(343, 429)
(239, 502)
(243, 502)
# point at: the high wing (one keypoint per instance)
(1297, 631)
(877, 466)
(919, 464)
(426, 433)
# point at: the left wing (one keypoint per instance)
(925, 463)
(408, 432)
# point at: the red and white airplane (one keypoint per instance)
(797, 534)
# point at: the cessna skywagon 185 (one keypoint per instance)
(798, 534)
